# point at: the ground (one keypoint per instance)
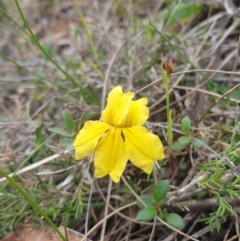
(60, 59)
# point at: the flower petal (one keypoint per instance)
(110, 155)
(117, 107)
(138, 113)
(88, 138)
(142, 147)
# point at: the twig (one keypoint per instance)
(205, 204)
(216, 101)
(106, 78)
(35, 165)
(106, 209)
(121, 214)
(153, 228)
(110, 215)
(189, 72)
(87, 213)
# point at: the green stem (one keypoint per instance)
(31, 201)
(13, 21)
(89, 38)
(74, 83)
(84, 92)
(169, 112)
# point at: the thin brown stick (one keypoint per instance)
(216, 101)
(106, 209)
(205, 204)
(189, 72)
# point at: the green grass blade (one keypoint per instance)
(13, 21)
(74, 83)
(31, 201)
(35, 151)
(35, 40)
(20, 67)
(89, 37)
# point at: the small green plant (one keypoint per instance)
(150, 206)
(222, 189)
(68, 132)
(186, 140)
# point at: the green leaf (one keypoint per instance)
(67, 143)
(197, 144)
(186, 125)
(177, 146)
(218, 224)
(161, 190)
(184, 140)
(163, 214)
(182, 166)
(234, 94)
(147, 199)
(186, 11)
(146, 214)
(174, 220)
(60, 131)
(182, 12)
(68, 120)
(38, 132)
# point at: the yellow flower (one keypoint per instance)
(119, 137)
